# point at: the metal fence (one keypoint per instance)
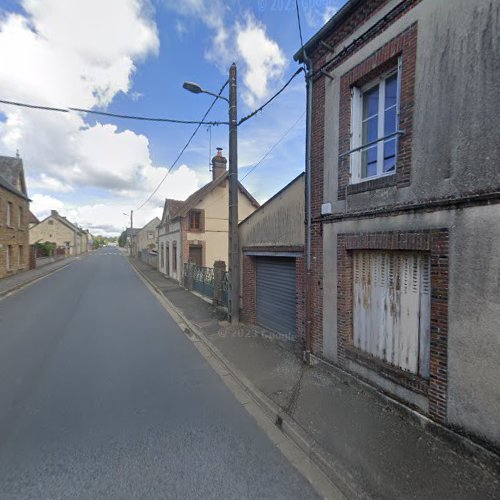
(211, 282)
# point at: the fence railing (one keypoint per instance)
(211, 282)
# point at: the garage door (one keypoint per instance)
(276, 299)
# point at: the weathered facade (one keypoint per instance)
(146, 238)
(57, 229)
(196, 230)
(405, 184)
(14, 217)
(272, 263)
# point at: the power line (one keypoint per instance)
(300, 26)
(253, 113)
(112, 115)
(202, 122)
(274, 146)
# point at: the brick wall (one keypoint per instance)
(248, 290)
(433, 242)
(383, 60)
(15, 236)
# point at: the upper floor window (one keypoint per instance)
(195, 220)
(9, 214)
(151, 235)
(375, 113)
(20, 217)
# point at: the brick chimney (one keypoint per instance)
(219, 163)
(54, 213)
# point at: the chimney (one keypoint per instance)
(54, 213)
(218, 164)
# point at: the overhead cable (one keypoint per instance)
(112, 115)
(200, 123)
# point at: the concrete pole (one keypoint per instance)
(234, 257)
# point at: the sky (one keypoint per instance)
(131, 57)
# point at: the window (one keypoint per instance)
(195, 220)
(391, 308)
(174, 257)
(162, 257)
(151, 235)
(9, 258)
(375, 113)
(9, 214)
(51, 223)
(20, 217)
(20, 257)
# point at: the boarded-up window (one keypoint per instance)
(391, 310)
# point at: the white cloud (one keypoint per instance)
(328, 13)
(263, 58)
(42, 204)
(65, 54)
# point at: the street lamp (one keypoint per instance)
(234, 258)
(196, 89)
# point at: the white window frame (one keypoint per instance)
(357, 126)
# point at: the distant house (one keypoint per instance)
(131, 233)
(32, 219)
(196, 230)
(14, 217)
(57, 229)
(146, 238)
(272, 270)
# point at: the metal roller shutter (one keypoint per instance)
(276, 297)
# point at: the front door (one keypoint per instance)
(195, 255)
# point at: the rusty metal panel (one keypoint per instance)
(391, 313)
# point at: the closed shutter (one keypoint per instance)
(276, 296)
(391, 310)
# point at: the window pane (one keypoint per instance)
(369, 162)
(370, 129)
(370, 102)
(390, 155)
(390, 121)
(391, 89)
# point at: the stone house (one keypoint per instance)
(196, 230)
(59, 230)
(272, 262)
(405, 186)
(146, 238)
(14, 217)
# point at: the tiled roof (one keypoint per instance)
(10, 170)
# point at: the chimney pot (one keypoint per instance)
(219, 163)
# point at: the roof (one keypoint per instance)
(132, 231)
(197, 196)
(32, 218)
(293, 181)
(10, 170)
(152, 224)
(54, 214)
(342, 14)
(174, 206)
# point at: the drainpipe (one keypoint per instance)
(309, 87)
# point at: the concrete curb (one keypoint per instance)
(20, 286)
(334, 471)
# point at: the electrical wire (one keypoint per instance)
(274, 146)
(253, 113)
(112, 115)
(184, 148)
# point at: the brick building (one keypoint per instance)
(405, 185)
(14, 217)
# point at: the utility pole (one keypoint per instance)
(234, 254)
(131, 219)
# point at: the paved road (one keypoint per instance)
(102, 396)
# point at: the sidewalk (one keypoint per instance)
(8, 285)
(367, 443)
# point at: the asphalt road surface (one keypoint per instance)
(102, 396)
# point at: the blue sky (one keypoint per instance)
(131, 57)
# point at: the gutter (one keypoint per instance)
(309, 87)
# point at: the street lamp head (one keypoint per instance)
(192, 87)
